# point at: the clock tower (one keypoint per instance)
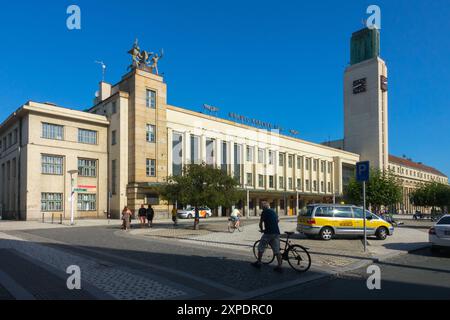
(366, 100)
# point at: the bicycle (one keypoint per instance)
(232, 226)
(297, 256)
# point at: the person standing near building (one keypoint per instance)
(150, 215)
(271, 236)
(126, 217)
(175, 216)
(142, 215)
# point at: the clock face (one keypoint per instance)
(359, 86)
(384, 84)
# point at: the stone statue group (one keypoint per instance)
(145, 59)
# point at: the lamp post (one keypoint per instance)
(72, 184)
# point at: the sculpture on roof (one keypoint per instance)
(145, 60)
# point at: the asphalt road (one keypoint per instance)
(418, 275)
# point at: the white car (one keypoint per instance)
(189, 213)
(439, 235)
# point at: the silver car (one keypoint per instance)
(189, 213)
(439, 235)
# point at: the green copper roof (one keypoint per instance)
(365, 45)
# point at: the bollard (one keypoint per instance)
(43, 217)
(53, 218)
(60, 219)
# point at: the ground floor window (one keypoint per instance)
(51, 202)
(87, 202)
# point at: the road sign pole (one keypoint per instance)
(364, 215)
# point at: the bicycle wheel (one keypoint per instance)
(268, 255)
(299, 258)
(231, 228)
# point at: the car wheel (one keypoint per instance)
(190, 216)
(326, 234)
(382, 233)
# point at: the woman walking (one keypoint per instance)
(126, 217)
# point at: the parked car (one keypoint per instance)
(439, 235)
(189, 213)
(328, 220)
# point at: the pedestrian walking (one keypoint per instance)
(150, 215)
(175, 216)
(197, 219)
(271, 236)
(126, 217)
(142, 215)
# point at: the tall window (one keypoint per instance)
(322, 186)
(299, 163)
(114, 107)
(87, 167)
(330, 167)
(271, 158)
(260, 156)
(307, 185)
(87, 136)
(52, 165)
(260, 181)
(114, 137)
(290, 161)
(151, 99)
(177, 154)
(52, 131)
(314, 165)
(299, 184)
(271, 182)
(290, 184)
(237, 161)
(114, 177)
(151, 168)
(195, 150)
(51, 202)
(281, 182)
(224, 162)
(249, 154)
(281, 159)
(87, 202)
(308, 164)
(329, 187)
(15, 136)
(210, 157)
(249, 179)
(151, 133)
(315, 185)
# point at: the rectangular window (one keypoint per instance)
(177, 154)
(87, 136)
(14, 168)
(250, 179)
(87, 168)
(51, 202)
(281, 182)
(151, 133)
(52, 165)
(290, 184)
(330, 167)
(299, 163)
(322, 166)
(314, 165)
(114, 107)
(290, 161)
(271, 182)
(329, 187)
(260, 156)
(322, 186)
(52, 131)
(260, 181)
(210, 152)
(237, 161)
(114, 137)
(4, 144)
(10, 140)
(195, 150)
(15, 136)
(299, 184)
(114, 177)
(308, 187)
(281, 159)
(271, 158)
(87, 202)
(224, 165)
(315, 185)
(249, 154)
(308, 164)
(151, 99)
(151, 168)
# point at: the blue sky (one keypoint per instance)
(277, 61)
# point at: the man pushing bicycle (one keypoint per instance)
(270, 237)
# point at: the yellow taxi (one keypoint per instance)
(328, 220)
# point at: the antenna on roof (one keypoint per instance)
(103, 69)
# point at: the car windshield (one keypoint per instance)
(307, 212)
(444, 220)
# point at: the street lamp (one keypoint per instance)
(72, 183)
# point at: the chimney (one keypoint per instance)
(103, 93)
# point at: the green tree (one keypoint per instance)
(382, 189)
(202, 185)
(433, 195)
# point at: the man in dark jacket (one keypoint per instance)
(142, 215)
(150, 215)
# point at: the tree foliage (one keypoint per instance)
(432, 194)
(202, 185)
(382, 189)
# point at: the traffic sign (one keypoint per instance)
(363, 171)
